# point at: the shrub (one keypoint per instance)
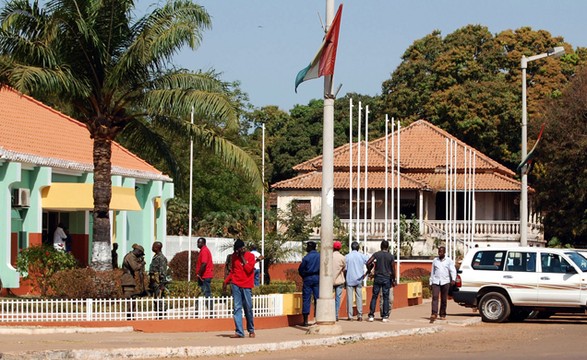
(276, 287)
(415, 274)
(87, 283)
(183, 289)
(39, 264)
(293, 276)
(179, 264)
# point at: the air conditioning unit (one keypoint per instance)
(21, 197)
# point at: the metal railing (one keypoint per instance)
(484, 229)
(71, 310)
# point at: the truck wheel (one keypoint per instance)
(494, 307)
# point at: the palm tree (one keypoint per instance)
(92, 60)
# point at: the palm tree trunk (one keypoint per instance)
(101, 255)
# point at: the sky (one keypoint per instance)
(265, 43)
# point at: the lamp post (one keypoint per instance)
(557, 51)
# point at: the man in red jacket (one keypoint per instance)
(205, 271)
(242, 279)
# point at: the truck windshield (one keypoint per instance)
(578, 259)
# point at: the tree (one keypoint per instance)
(561, 170)
(469, 84)
(92, 60)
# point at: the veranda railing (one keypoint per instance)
(71, 310)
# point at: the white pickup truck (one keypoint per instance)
(511, 283)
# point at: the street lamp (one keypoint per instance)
(556, 52)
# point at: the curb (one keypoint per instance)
(197, 351)
(36, 330)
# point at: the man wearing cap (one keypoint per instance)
(309, 270)
(205, 271)
(133, 267)
(338, 267)
(242, 280)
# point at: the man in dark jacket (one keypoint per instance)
(309, 270)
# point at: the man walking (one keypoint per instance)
(309, 270)
(158, 278)
(205, 271)
(355, 264)
(338, 268)
(384, 279)
(442, 277)
(241, 277)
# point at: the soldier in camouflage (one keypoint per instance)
(158, 279)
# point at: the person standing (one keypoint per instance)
(114, 253)
(242, 280)
(59, 237)
(355, 264)
(133, 267)
(258, 258)
(384, 278)
(158, 278)
(442, 277)
(205, 271)
(338, 268)
(309, 270)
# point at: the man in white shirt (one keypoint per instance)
(59, 237)
(258, 258)
(442, 277)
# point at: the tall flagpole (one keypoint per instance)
(365, 186)
(350, 171)
(325, 304)
(386, 174)
(190, 202)
(263, 208)
(398, 262)
(357, 232)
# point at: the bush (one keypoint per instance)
(183, 289)
(179, 264)
(87, 283)
(292, 275)
(276, 287)
(39, 264)
(415, 274)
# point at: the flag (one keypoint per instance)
(323, 63)
(530, 156)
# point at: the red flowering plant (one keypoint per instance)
(38, 264)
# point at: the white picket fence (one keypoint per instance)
(71, 310)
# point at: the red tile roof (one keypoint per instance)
(376, 180)
(423, 149)
(32, 132)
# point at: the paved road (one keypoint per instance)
(557, 338)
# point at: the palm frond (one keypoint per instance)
(231, 154)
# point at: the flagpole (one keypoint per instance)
(190, 202)
(263, 208)
(350, 172)
(386, 173)
(325, 304)
(357, 232)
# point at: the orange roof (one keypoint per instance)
(376, 180)
(31, 132)
(423, 149)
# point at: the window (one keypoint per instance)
(488, 260)
(521, 261)
(553, 263)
